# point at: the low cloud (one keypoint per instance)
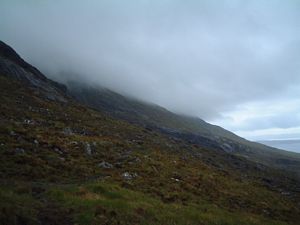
(203, 58)
(274, 119)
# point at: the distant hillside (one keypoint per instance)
(289, 145)
(187, 128)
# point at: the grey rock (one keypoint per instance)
(88, 149)
(175, 179)
(27, 121)
(286, 193)
(129, 176)
(19, 150)
(265, 211)
(134, 160)
(68, 131)
(138, 160)
(227, 148)
(62, 159)
(58, 150)
(105, 165)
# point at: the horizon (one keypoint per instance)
(288, 145)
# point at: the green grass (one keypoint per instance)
(94, 203)
(17, 208)
(56, 181)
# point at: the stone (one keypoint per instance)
(62, 159)
(27, 121)
(68, 131)
(285, 193)
(175, 179)
(19, 150)
(227, 148)
(88, 148)
(105, 165)
(57, 150)
(129, 176)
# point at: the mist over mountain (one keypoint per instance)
(235, 63)
(146, 112)
(88, 155)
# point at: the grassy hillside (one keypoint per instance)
(62, 163)
(187, 128)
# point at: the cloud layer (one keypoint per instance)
(206, 58)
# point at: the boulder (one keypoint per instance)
(68, 131)
(105, 165)
(129, 176)
(88, 149)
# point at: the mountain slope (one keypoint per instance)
(182, 127)
(64, 163)
(13, 66)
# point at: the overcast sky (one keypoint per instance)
(235, 63)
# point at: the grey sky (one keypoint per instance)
(232, 62)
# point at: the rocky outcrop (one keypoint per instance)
(12, 65)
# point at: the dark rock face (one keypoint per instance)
(12, 65)
(8, 53)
